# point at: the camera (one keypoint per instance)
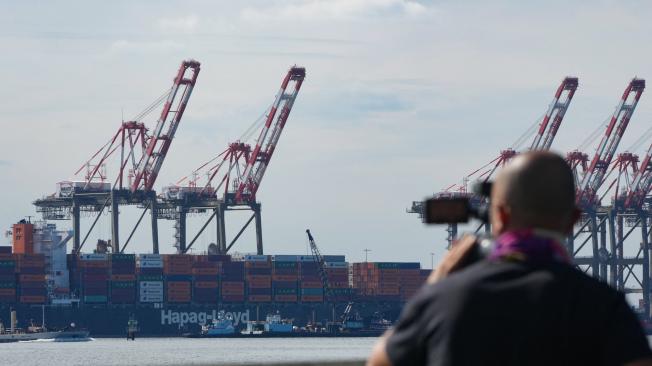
(458, 207)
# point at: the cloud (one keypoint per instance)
(335, 10)
(144, 46)
(185, 24)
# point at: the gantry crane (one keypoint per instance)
(545, 134)
(597, 221)
(594, 177)
(234, 176)
(141, 156)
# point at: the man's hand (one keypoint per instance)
(454, 258)
(379, 355)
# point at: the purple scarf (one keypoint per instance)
(526, 245)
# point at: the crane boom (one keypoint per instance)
(641, 183)
(158, 145)
(592, 180)
(322, 264)
(269, 135)
(555, 112)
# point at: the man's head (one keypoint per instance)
(534, 190)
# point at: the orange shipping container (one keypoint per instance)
(206, 271)
(32, 299)
(31, 278)
(7, 292)
(232, 291)
(285, 298)
(260, 298)
(284, 277)
(312, 298)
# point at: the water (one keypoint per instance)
(184, 351)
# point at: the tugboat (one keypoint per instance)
(221, 326)
(274, 324)
(132, 328)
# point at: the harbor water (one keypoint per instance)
(183, 351)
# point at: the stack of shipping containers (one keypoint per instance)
(31, 278)
(384, 280)
(177, 269)
(285, 276)
(8, 270)
(150, 278)
(310, 284)
(410, 279)
(258, 272)
(338, 280)
(123, 278)
(205, 279)
(93, 272)
(233, 281)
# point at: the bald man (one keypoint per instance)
(525, 304)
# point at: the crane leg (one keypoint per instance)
(76, 229)
(221, 229)
(115, 222)
(153, 212)
(259, 229)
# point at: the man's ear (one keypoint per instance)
(502, 221)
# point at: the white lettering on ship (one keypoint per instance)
(182, 318)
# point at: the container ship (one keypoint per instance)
(172, 294)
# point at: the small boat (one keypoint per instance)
(40, 333)
(275, 324)
(221, 326)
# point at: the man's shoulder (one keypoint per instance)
(483, 272)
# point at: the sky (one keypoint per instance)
(401, 99)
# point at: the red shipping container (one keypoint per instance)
(312, 298)
(259, 298)
(32, 299)
(311, 284)
(278, 277)
(285, 298)
(31, 278)
(232, 298)
(226, 291)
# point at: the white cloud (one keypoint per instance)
(185, 24)
(335, 10)
(144, 46)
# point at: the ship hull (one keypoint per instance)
(176, 320)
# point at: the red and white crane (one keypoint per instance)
(239, 168)
(544, 137)
(555, 113)
(269, 135)
(158, 145)
(143, 152)
(641, 183)
(597, 169)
